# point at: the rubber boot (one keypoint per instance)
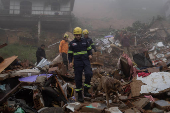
(80, 97)
(86, 93)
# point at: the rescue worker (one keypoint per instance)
(80, 50)
(89, 40)
(40, 53)
(63, 49)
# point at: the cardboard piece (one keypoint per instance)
(153, 70)
(52, 69)
(57, 60)
(132, 110)
(63, 70)
(136, 87)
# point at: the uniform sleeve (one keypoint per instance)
(93, 46)
(89, 49)
(70, 53)
(60, 46)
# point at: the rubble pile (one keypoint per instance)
(120, 84)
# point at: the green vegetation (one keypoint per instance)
(23, 52)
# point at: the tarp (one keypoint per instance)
(109, 36)
(32, 78)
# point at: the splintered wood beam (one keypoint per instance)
(7, 62)
(61, 88)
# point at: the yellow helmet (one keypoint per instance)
(77, 30)
(85, 32)
(66, 35)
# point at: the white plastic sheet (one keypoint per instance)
(160, 44)
(153, 48)
(73, 106)
(160, 55)
(105, 41)
(153, 30)
(43, 63)
(112, 40)
(155, 82)
(113, 110)
(64, 87)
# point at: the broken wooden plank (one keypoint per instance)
(8, 93)
(7, 62)
(61, 88)
(132, 110)
(141, 103)
(140, 109)
(151, 70)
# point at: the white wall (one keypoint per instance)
(38, 7)
(65, 6)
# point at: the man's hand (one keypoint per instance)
(42, 57)
(60, 54)
(90, 57)
(71, 65)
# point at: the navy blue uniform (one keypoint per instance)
(90, 41)
(80, 51)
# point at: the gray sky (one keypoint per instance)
(111, 11)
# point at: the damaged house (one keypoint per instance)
(39, 15)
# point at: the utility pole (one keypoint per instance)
(39, 29)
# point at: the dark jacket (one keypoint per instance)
(80, 50)
(40, 53)
(90, 41)
(125, 41)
